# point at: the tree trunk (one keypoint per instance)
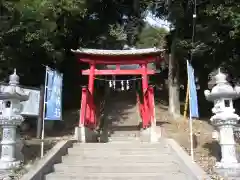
(173, 86)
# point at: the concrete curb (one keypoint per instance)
(197, 172)
(44, 165)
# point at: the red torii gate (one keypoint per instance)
(117, 57)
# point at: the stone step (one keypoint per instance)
(130, 136)
(120, 147)
(134, 135)
(122, 150)
(132, 146)
(112, 153)
(107, 163)
(127, 138)
(167, 168)
(113, 164)
(117, 171)
(154, 153)
(119, 159)
(118, 176)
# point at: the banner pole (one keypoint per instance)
(43, 115)
(190, 117)
(191, 137)
(40, 116)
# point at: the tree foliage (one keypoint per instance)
(35, 33)
(217, 30)
(151, 37)
(216, 40)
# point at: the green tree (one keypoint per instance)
(151, 37)
(34, 33)
(217, 35)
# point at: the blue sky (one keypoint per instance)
(154, 21)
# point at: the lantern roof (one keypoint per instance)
(222, 89)
(13, 91)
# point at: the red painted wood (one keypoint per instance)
(83, 107)
(88, 109)
(118, 72)
(151, 103)
(118, 66)
(91, 78)
(120, 59)
(145, 98)
(122, 62)
(144, 73)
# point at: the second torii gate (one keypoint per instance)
(94, 57)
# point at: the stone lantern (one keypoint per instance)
(224, 119)
(10, 118)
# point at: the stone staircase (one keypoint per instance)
(119, 161)
(125, 156)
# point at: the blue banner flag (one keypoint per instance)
(193, 100)
(53, 95)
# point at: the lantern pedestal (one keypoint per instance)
(8, 144)
(228, 166)
(231, 172)
(5, 165)
(225, 119)
(11, 145)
